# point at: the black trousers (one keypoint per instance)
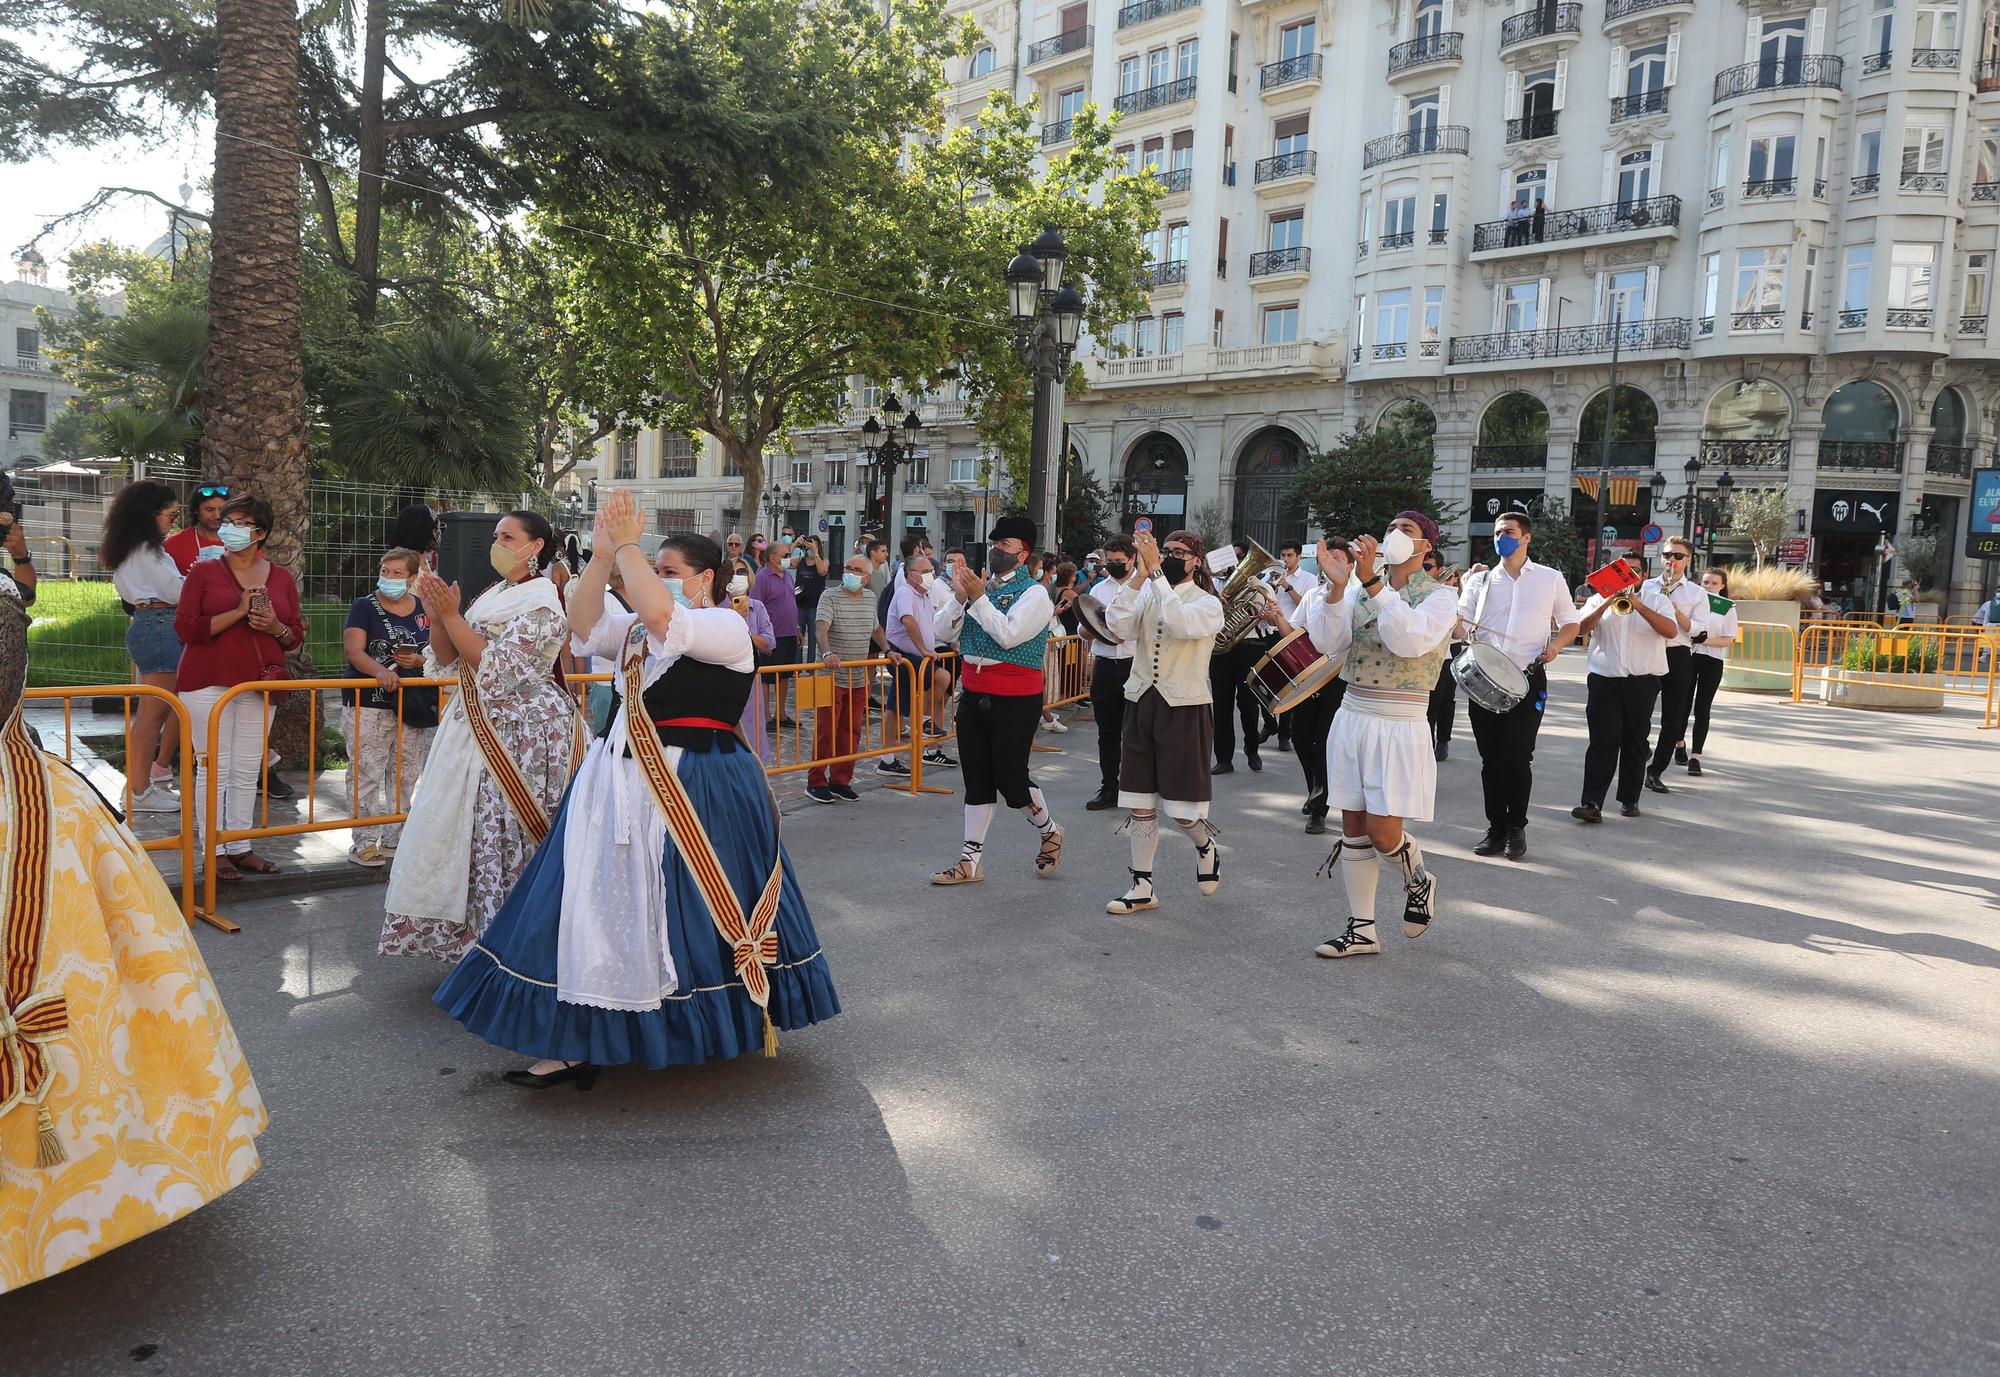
(1228, 683)
(1444, 706)
(1107, 705)
(995, 732)
(1311, 721)
(1507, 751)
(1707, 679)
(1619, 711)
(1676, 697)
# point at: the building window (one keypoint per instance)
(1215, 331)
(1069, 104)
(1423, 113)
(1625, 296)
(1150, 243)
(1635, 178)
(1440, 215)
(982, 62)
(27, 344)
(1772, 159)
(1520, 307)
(1399, 216)
(1130, 153)
(1433, 314)
(1392, 321)
(1854, 282)
(1288, 230)
(1760, 287)
(1121, 337)
(871, 396)
(1281, 323)
(1145, 337)
(1156, 67)
(676, 455)
(919, 472)
(1881, 26)
(1978, 276)
(1289, 135)
(802, 472)
(1187, 58)
(1718, 163)
(836, 473)
(1807, 287)
(1177, 242)
(1868, 153)
(1529, 186)
(1646, 71)
(1173, 332)
(668, 520)
(1152, 154)
(1937, 26)
(1923, 150)
(1296, 40)
(625, 465)
(965, 468)
(1911, 269)
(1711, 278)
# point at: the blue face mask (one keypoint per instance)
(392, 589)
(1505, 546)
(236, 539)
(851, 582)
(681, 599)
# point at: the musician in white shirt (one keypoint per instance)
(1523, 610)
(1677, 686)
(1289, 583)
(1110, 667)
(1628, 658)
(1712, 641)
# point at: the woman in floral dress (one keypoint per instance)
(502, 755)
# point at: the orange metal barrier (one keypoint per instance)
(182, 841)
(1913, 667)
(1762, 657)
(1065, 671)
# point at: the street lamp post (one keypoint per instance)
(1688, 504)
(774, 503)
(884, 452)
(1048, 315)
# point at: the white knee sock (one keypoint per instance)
(1037, 812)
(1145, 843)
(1406, 861)
(1360, 877)
(978, 817)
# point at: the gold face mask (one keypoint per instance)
(503, 560)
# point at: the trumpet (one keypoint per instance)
(1622, 605)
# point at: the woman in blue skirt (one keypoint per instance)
(660, 922)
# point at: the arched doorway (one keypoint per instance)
(1748, 426)
(1861, 422)
(1635, 423)
(1155, 484)
(1513, 434)
(1266, 468)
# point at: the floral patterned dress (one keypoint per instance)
(536, 719)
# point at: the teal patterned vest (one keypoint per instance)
(975, 644)
(1371, 664)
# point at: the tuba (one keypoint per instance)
(1243, 598)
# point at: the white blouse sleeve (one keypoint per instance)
(713, 635)
(1329, 620)
(607, 639)
(1412, 631)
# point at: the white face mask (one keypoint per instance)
(738, 586)
(1396, 546)
(926, 580)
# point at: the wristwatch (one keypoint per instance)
(1371, 582)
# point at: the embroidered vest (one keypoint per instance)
(975, 644)
(1371, 664)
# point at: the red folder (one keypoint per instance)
(1613, 579)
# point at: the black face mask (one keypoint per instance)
(1002, 563)
(1117, 570)
(1175, 568)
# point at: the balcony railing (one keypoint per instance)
(1932, 183)
(1972, 326)
(1620, 9)
(1866, 183)
(1645, 103)
(1746, 454)
(1871, 63)
(1571, 340)
(1432, 47)
(1951, 461)
(1772, 186)
(1153, 97)
(1143, 10)
(1176, 180)
(1304, 67)
(1716, 196)
(1779, 74)
(1169, 274)
(1540, 125)
(1704, 326)
(1868, 456)
(1400, 349)
(1904, 318)
(1361, 248)
(1988, 75)
(1439, 236)
(1756, 320)
(1058, 132)
(1853, 320)
(1935, 59)
(1541, 22)
(1621, 454)
(1615, 217)
(1271, 261)
(1404, 240)
(1986, 191)
(1819, 188)
(1300, 162)
(1074, 41)
(1416, 143)
(1510, 456)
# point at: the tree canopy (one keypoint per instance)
(1358, 486)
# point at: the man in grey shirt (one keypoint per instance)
(847, 629)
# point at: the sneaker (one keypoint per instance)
(155, 800)
(819, 793)
(1680, 755)
(1136, 899)
(1694, 765)
(1057, 725)
(930, 728)
(936, 757)
(1492, 844)
(889, 765)
(1358, 940)
(963, 873)
(369, 855)
(1049, 859)
(844, 792)
(1420, 904)
(276, 787)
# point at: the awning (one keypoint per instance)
(1624, 491)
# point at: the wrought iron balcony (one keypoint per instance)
(1361, 249)
(1933, 183)
(1510, 456)
(1622, 454)
(1169, 274)
(1779, 74)
(1272, 261)
(1398, 350)
(1704, 326)
(1854, 320)
(1868, 456)
(1433, 47)
(1756, 320)
(1950, 461)
(1935, 59)
(1440, 236)
(1986, 191)
(1645, 103)
(1302, 162)
(1399, 241)
(1176, 180)
(1615, 217)
(1716, 196)
(1304, 67)
(1541, 22)
(1428, 348)
(1057, 132)
(1904, 318)
(1154, 97)
(1143, 10)
(1540, 125)
(1771, 186)
(1866, 183)
(1571, 340)
(1871, 63)
(1819, 188)
(1971, 326)
(1416, 143)
(1074, 41)
(1747, 454)
(1624, 9)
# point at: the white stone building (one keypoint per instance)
(35, 392)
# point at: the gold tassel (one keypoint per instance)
(49, 1148)
(770, 1035)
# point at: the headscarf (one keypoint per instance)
(1428, 527)
(1193, 542)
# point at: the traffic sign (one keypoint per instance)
(1143, 526)
(822, 525)
(1651, 534)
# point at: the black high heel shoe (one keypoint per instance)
(584, 1073)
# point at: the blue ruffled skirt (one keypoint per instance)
(504, 989)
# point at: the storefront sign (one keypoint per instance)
(1796, 551)
(1853, 511)
(1488, 503)
(1982, 533)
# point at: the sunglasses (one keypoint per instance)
(1674, 555)
(211, 490)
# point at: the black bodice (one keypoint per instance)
(696, 688)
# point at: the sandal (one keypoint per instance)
(255, 864)
(227, 874)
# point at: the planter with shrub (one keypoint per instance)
(1761, 661)
(1887, 674)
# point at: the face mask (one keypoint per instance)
(210, 552)
(236, 539)
(392, 589)
(1174, 567)
(1117, 570)
(1505, 545)
(926, 580)
(851, 582)
(738, 586)
(1002, 563)
(1396, 546)
(678, 587)
(503, 560)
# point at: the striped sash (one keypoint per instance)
(520, 798)
(753, 941)
(27, 1020)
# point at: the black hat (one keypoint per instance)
(1014, 528)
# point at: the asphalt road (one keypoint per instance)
(1713, 1091)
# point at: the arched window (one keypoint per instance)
(1748, 426)
(982, 62)
(1634, 423)
(1860, 424)
(1430, 18)
(1513, 434)
(1951, 450)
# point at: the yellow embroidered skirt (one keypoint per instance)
(151, 1099)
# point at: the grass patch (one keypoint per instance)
(78, 636)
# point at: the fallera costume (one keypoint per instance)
(660, 923)
(125, 1102)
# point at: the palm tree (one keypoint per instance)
(144, 384)
(437, 406)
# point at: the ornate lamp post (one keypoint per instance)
(1048, 316)
(1689, 502)
(774, 503)
(883, 453)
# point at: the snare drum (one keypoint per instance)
(1290, 672)
(1489, 678)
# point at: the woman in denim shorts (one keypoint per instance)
(135, 529)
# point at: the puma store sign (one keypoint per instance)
(1853, 511)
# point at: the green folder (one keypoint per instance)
(1719, 604)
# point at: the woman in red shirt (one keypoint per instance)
(238, 615)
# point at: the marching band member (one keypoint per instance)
(1002, 647)
(1171, 616)
(1628, 658)
(1229, 692)
(1289, 583)
(1711, 655)
(1512, 608)
(1110, 668)
(1443, 708)
(1690, 606)
(1309, 722)
(1390, 626)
